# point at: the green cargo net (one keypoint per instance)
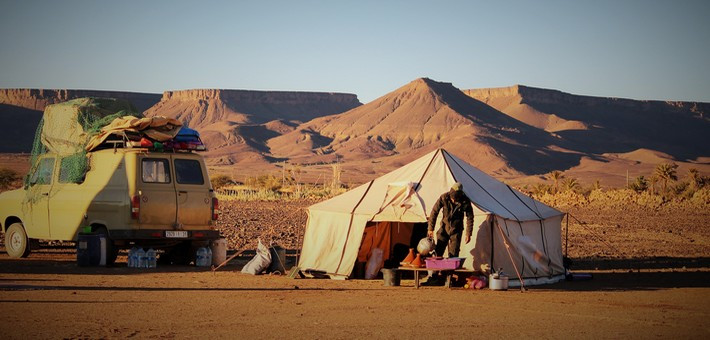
(64, 132)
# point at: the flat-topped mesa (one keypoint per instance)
(268, 97)
(533, 95)
(38, 99)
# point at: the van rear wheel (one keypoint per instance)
(17, 244)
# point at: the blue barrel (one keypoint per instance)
(90, 250)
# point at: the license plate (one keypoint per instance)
(176, 233)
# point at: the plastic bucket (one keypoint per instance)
(219, 251)
(90, 250)
(500, 283)
(390, 277)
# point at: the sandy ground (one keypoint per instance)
(48, 296)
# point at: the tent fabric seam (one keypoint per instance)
(484, 189)
(350, 225)
(523, 202)
(427, 169)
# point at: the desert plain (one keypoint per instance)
(651, 279)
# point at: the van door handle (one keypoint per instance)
(45, 194)
(182, 192)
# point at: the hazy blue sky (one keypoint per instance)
(635, 49)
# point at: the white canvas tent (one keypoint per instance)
(343, 229)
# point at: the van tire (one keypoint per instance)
(17, 244)
(111, 249)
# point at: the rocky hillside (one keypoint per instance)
(21, 111)
(235, 124)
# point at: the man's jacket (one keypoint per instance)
(452, 215)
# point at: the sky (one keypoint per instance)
(658, 50)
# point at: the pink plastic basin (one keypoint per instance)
(442, 263)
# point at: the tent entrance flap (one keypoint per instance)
(392, 238)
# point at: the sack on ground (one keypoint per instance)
(260, 262)
(374, 264)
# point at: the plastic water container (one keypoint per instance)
(152, 259)
(219, 251)
(140, 258)
(90, 250)
(132, 258)
(203, 257)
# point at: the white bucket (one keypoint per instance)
(500, 283)
(219, 251)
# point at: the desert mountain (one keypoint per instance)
(595, 125)
(21, 111)
(419, 117)
(508, 132)
(235, 124)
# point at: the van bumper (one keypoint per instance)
(157, 234)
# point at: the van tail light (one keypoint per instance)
(215, 208)
(135, 206)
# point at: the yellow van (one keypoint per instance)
(134, 196)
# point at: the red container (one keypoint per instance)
(442, 263)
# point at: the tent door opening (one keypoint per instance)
(384, 245)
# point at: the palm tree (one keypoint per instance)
(639, 185)
(556, 176)
(570, 184)
(666, 172)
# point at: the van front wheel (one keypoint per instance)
(16, 242)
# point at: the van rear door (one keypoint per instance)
(157, 193)
(193, 192)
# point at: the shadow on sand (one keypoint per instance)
(631, 281)
(21, 287)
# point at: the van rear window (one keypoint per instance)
(155, 170)
(188, 171)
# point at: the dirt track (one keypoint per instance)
(55, 299)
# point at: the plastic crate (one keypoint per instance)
(442, 263)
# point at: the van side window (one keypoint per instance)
(43, 174)
(188, 171)
(155, 170)
(72, 169)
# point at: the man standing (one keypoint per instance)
(454, 205)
